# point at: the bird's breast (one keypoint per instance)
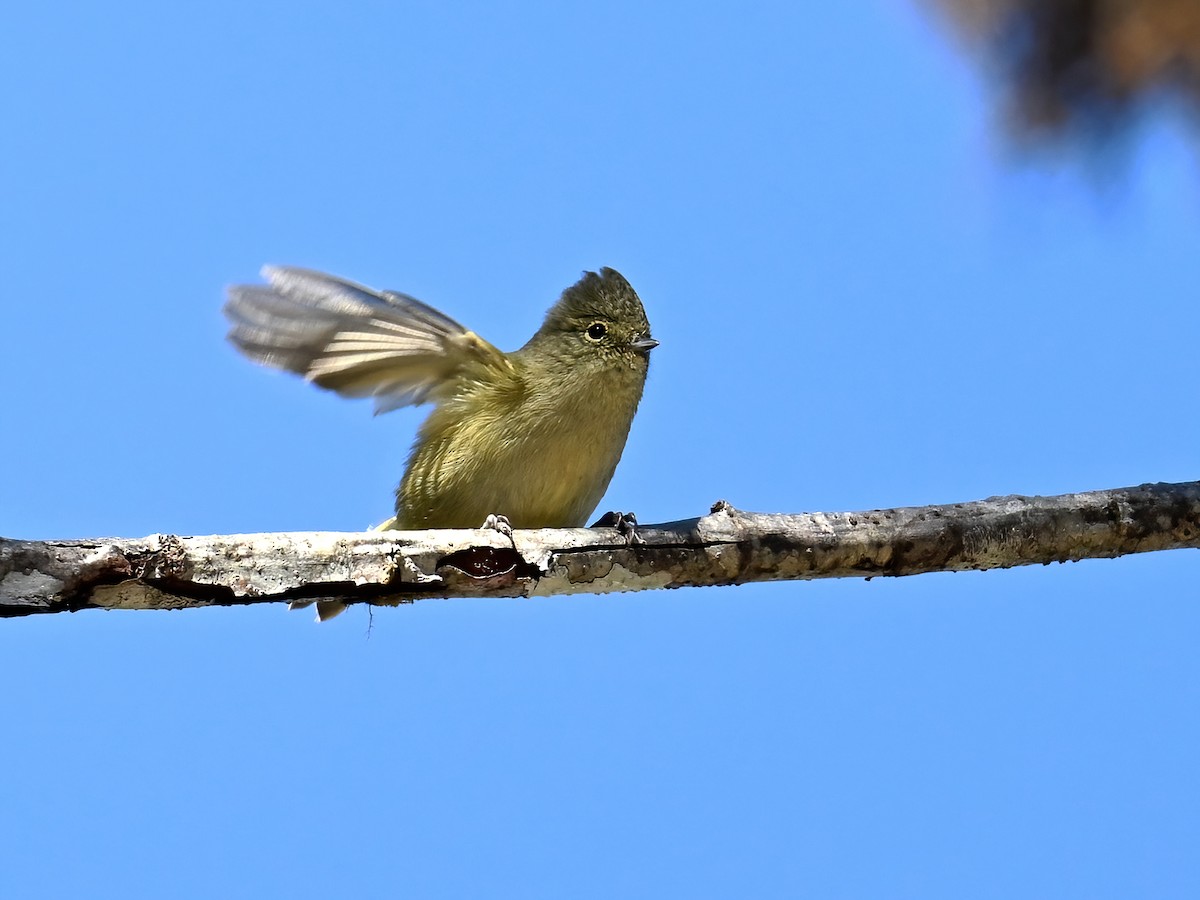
(542, 455)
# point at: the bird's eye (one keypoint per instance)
(596, 331)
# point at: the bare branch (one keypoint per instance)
(727, 546)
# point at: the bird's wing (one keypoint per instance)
(356, 341)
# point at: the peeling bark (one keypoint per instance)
(728, 546)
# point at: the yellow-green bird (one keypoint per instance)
(532, 436)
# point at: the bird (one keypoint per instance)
(522, 439)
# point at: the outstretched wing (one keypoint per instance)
(356, 341)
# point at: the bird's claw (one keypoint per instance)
(625, 523)
(498, 523)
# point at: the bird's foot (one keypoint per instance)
(625, 523)
(501, 524)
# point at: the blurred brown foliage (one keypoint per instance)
(1067, 63)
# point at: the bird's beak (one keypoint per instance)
(644, 345)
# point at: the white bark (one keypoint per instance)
(727, 546)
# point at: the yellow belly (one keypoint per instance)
(541, 467)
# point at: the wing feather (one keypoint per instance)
(357, 341)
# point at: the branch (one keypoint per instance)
(727, 546)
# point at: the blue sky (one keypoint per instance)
(863, 300)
